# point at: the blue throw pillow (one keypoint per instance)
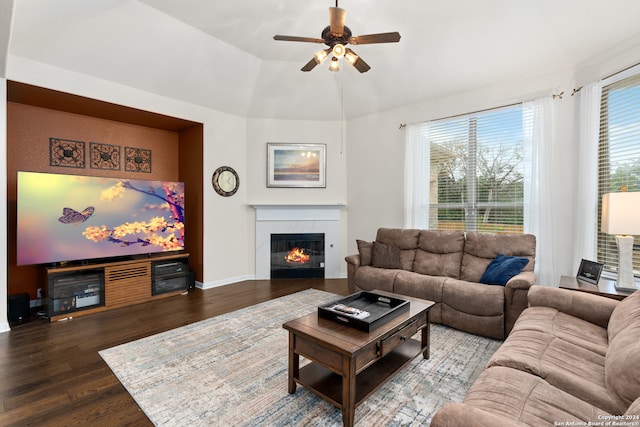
(503, 268)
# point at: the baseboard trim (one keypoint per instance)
(4, 327)
(232, 280)
(223, 282)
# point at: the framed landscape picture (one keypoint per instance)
(296, 165)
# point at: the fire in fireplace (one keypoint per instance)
(299, 255)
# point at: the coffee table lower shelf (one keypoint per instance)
(328, 385)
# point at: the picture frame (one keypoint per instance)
(589, 271)
(296, 165)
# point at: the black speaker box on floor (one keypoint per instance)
(192, 280)
(19, 307)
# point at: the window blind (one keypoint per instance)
(476, 172)
(618, 157)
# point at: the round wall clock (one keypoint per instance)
(225, 181)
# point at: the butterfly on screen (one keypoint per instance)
(72, 216)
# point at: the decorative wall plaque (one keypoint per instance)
(138, 160)
(105, 156)
(66, 153)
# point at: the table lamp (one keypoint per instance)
(621, 216)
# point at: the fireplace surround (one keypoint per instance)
(296, 219)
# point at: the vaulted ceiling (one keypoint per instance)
(221, 54)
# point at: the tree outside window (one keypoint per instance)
(477, 172)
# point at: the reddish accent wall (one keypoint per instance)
(191, 174)
(28, 131)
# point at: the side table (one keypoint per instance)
(605, 287)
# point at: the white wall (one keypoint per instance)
(6, 13)
(331, 133)
(4, 321)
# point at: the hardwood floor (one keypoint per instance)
(52, 375)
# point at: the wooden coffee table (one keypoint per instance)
(346, 364)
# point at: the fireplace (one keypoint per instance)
(299, 255)
(297, 219)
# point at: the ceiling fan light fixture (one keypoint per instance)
(321, 55)
(351, 57)
(339, 50)
(337, 36)
(334, 65)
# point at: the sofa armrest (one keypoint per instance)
(523, 280)
(459, 414)
(353, 263)
(353, 260)
(515, 298)
(593, 308)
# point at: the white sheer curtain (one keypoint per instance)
(586, 223)
(416, 176)
(537, 129)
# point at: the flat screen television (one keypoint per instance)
(64, 218)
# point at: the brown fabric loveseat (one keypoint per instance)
(446, 267)
(572, 359)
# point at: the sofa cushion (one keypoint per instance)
(571, 368)
(569, 328)
(582, 305)
(439, 253)
(421, 286)
(634, 409)
(504, 396)
(503, 268)
(364, 249)
(404, 239)
(473, 298)
(481, 248)
(474, 307)
(625, 314)
(385, 256)
(622, 366)
(369, 278)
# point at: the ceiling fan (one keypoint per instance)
(337, 36)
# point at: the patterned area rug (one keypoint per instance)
(231, 370)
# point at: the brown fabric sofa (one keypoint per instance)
(446, 267)
(572, 358)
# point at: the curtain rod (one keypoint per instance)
(576, 90)
(621, 71)
(402, 125)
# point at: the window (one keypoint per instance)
(618, 157)
(477, 172)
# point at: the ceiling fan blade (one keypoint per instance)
(356, 61)
(336, 20)
(393, 37)
(309, 65)
(297, 39)
(361, 66)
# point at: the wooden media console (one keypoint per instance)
(84, 289)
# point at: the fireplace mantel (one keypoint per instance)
(298, 218)
(299, 212)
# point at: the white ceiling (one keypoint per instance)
(221, 54)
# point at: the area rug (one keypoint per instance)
(231, 370)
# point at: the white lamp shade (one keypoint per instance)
(621, 213)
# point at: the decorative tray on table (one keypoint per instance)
(365, 310)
